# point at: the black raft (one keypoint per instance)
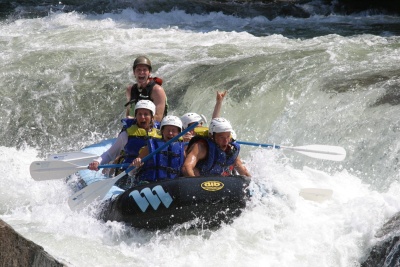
(213, 200)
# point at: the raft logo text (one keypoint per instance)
(212, 185)
(153, 197)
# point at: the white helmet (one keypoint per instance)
(188, 118)
(146, 104)
(172, 120)
(220, 125)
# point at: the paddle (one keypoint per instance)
(60, 165)
(73, 156)
(316, 194)
(52, 169)
(99, 190)
(335, 153)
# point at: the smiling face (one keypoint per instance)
(169, 132)
(143, 118)
(142, 74)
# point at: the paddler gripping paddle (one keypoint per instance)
(98, 190)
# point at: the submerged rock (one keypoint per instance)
(392, 96)
(387, 251)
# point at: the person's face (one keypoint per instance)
(143, 118)
(169, 132)
(141, 73)
(222, 139)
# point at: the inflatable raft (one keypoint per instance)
(210, 200)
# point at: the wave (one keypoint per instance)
(245, 9)
(290, 81)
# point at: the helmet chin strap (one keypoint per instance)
(151, 122)
(213, 139)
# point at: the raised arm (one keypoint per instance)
(218, 104)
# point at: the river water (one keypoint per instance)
(331, 80)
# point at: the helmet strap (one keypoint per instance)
(213, 137)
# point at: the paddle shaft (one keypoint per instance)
(77, 168)
(59, 169)
(256, 144)
(334, 153)
(74, 156)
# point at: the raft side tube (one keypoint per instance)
(159, 205)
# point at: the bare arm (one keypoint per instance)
(197, 152)
(218, 104)
(159, 99)
(111, 153)
(128, 98)
(241, 169)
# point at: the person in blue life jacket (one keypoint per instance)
(146, 88)
(190, 118)
(214, 155)
(133, 138)
(168, 162)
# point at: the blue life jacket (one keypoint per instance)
(166, 164)
(137, 138)
(217, 161)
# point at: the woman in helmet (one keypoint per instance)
(168, 162)
(145, 88)
(214, 155)
(133, 138)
